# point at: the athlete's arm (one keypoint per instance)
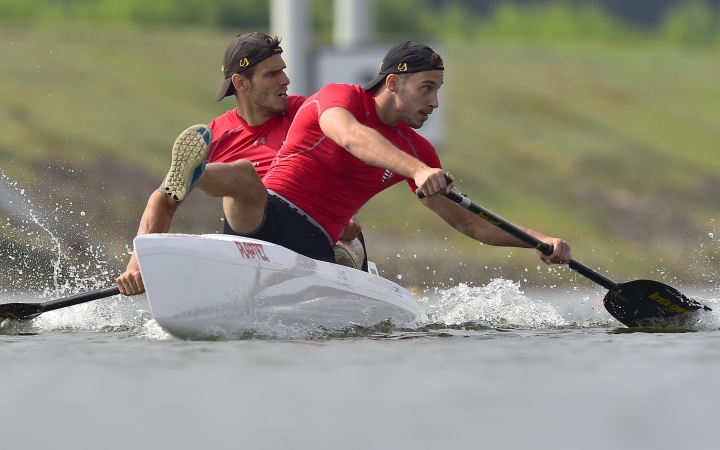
(369, 146)
(479, 229)
(351, 230)
(156, 218)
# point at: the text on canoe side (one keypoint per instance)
(251, 250)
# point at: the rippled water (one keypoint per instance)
(481, 366)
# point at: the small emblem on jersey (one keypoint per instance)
(386, 176)
(260, 141)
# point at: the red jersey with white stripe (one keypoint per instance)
(234, 139)
(325, 180)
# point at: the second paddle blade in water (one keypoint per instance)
(646, 302)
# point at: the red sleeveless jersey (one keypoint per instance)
(325, 180)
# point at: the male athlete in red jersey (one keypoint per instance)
(348, 182)
(248, 136)
(348, 143)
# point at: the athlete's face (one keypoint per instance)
(418, 96)
(268, 86)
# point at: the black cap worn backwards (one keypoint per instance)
(408, 57)
(244, 52)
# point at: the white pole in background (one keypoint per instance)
(289, 19)
(352, 23)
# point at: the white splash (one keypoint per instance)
(113, 314)
(152, 331)
(500, 303)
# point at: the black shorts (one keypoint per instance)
(286, 225)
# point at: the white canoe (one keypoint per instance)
(213, 285)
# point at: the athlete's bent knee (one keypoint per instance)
(244, 167)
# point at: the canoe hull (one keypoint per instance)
(219, 286)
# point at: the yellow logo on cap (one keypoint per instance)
(402, 67)
(381, 64)
(223, 68)
(244, 62)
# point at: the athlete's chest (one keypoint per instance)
(255, 144)
(270, 138)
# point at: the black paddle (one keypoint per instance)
(631, 303)
(26, 311)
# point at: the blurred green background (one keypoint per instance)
(594, 121)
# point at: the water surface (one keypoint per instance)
(482, 367)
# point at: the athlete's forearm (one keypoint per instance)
(156, 218)
(158, 214)
(561, 253)
(470, 224)
(489, 234)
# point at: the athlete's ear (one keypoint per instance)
(239, 82)
(391, 82)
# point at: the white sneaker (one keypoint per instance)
(188, 161)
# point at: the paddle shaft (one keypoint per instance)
(26, 311)
(511, 229)
(79, 298)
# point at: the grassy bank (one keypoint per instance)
(610, 147)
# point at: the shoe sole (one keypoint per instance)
(189, 151)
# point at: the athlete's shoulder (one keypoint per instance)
(341, 88)
(224, 122)
(294, 104)
(347, 96)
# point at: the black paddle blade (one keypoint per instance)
(643, 302)
(20, 310)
